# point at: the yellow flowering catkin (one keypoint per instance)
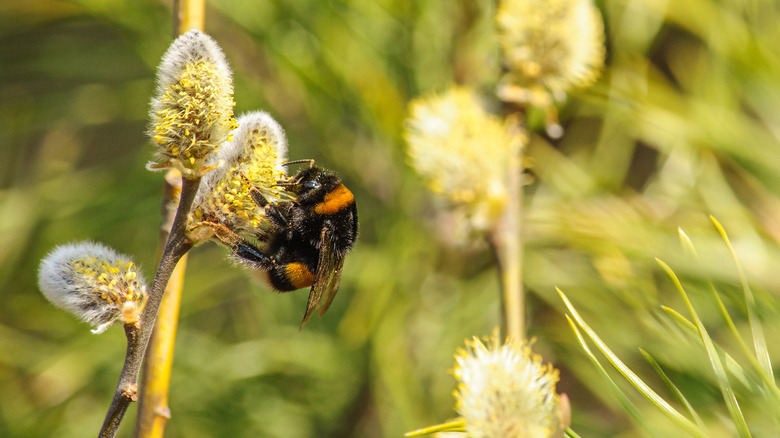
(462, 152)
(192, 111)
(504, 391)
(554, 44)
(254, 158)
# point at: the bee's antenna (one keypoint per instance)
(309, 160)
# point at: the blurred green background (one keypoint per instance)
(684, 123)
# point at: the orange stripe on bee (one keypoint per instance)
(298, 275)
(335, 201)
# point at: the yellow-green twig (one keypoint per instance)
(153, 410)
(507, 243)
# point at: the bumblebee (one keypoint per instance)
(309, 237)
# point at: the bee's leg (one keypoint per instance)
(254, 192)
(248, 253)
(221, 232)
(308, 160)
(276, 215)
(258, 197)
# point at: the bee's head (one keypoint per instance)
(312, 184)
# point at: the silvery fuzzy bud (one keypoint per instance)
(93, 282)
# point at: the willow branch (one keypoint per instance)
(153, 409)
(506, 240)
(128, 393)
(507, 236)
(176, 246)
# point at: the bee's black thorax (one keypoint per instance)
(323, 201)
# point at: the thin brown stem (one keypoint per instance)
(153, 410)
(128, 393)
(176, 246)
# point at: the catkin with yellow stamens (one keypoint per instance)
(505, 391)
(93, 282)
(553, 44)
(463, 152)
(192, 111)
(254, 158)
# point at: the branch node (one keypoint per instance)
(130, 392)
(163, 411)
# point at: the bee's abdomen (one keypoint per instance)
(290, 276)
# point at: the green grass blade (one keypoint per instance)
(682, 321)
(458, 425)
(672, 387)
(638, 383)
(622, 398)
(765, 373)
(733, 327)
(717, 365)
(570, 433)
(687, 244)
(759, 341)
(767, 379)
(734, 368)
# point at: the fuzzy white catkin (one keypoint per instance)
(464, 153)
(253, 159)
(93, 282)
(505, 391)
(192, 111)
(263, 125)
(189, 48)
(237, 151)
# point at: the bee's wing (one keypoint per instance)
(327, 277)
(330, 278)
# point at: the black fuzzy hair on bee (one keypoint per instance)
(311, 236)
